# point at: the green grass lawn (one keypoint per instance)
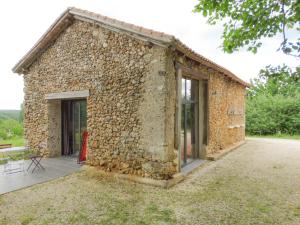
(283, 136)
(15, 141)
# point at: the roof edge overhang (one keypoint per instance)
(203, 60)
(158, 38)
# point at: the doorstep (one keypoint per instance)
(189, 168)
(223, 152)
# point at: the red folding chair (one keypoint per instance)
(83, 150)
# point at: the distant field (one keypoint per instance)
(9, 114)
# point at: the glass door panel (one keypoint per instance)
(189, 121)
(76, 129)
(79, 109)
(83, 117)
(82, 121)
(74, 124)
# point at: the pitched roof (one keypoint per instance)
(159, 38)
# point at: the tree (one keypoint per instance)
(273, 102)
(10, 128)
(246, 22)
(279, 80)
(276, 114)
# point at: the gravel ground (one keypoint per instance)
(259, 183)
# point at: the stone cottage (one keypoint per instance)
(150, 104)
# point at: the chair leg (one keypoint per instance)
(35, 165)
(32, 160)
(38, 164)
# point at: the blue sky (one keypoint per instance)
(23, 22)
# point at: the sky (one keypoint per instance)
(23, 23)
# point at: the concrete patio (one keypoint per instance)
(54, 168)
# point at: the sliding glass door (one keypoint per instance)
(189, 121)
(79, 112)
(74, 123)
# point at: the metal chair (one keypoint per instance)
(36, 161)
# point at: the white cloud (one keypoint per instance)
(23, 22)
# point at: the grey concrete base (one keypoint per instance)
(192, 166)
(225, 151)
(149, 181)
(54, 168)
(142, 180)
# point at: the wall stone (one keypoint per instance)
(155, 120)
(54, 127)
(226, 112)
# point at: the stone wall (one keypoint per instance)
(54, 127)
(125, 109)
(226, 112)
(226, 107)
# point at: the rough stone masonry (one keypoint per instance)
(131, 107)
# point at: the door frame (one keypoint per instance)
(72, 105)
(182, 71)
(194, 124)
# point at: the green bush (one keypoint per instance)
(267, 114)
(17, 129)
(3, 134)
(273, 102)
(10, 128)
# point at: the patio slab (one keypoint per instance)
(54, 168)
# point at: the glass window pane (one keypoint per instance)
(189, 121)
(83, 117)
(182, 89)
(182, 146)
(188, 90)
(77, 138)
(194, 90)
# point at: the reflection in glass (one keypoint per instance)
(189, 121)
(79, 109)
(74, 123)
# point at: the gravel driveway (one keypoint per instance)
(258, 183)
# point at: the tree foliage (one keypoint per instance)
(10, 128)
(273, 102)
(279, 80)
(273, 115)
(245, 22)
